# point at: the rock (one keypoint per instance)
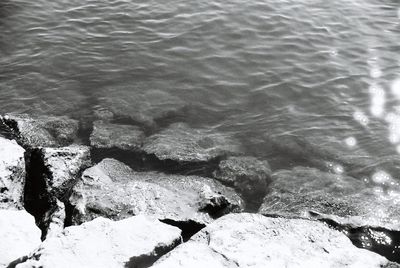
(251, 240)
(308, 192)
(12, 174)
(104, 243)
(42, 131)
(247, 174)
(106, 135)
(52, 172)
(181, 143)
(113, 190)
(140, 103)
(19, 235)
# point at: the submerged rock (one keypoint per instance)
(247, 174)
(12, 174)
(251, 240)
(106, 135)
(42, 131)
(104, 243)
(181, 143)
(308, 192)
(19, 235)
(113, 190)
(145, 106)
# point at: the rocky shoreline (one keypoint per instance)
(186, 198)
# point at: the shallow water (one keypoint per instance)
(297, 82)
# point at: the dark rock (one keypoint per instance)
(12, 174)
(181, 143)
(113, 190)
(42, 131)
(251, 240)
(246, 174)
(131, 242)
(106, 135)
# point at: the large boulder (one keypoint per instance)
(246, 174)
(181, 143)
(12, 174)
(308, 192)
(113, 190)
(106, 135)
(19, 235)
(42, 131)
(251, 240)
(104, 243)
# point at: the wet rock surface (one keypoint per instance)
(181, 143)
(246, 174)
(19, 235)
(107, 135)
(113, 190)
(358, 209)
(42, 131)
(12, 174)
(301, 191)
(251, 240)
(132, 242)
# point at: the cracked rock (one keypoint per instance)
(181, 143)
(12, 174)
(251, 240)
(106, 135)
(111, 189)
(42, 131)
(19, 235)
(308, 192)
(133, 242)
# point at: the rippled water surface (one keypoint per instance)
(296, 81)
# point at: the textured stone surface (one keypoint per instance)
(105, 243)
(251, 240)
(306, 192)
(18, 235)
(12, 174)
(43, 131)
(181, 143)
(247, 174)
(106, 135)
(113, 190)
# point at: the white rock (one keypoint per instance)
(12, 173)
(104, 243)
(251, 240)
(18, 235)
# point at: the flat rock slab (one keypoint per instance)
(181, 143)
(106, 135)
(43, 131)
(105, 243)
(113, 190)
(247, 174)
(12, 174)
(19, 235)
(308, 192)
(251, 240)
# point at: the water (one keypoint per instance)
(324, 74)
